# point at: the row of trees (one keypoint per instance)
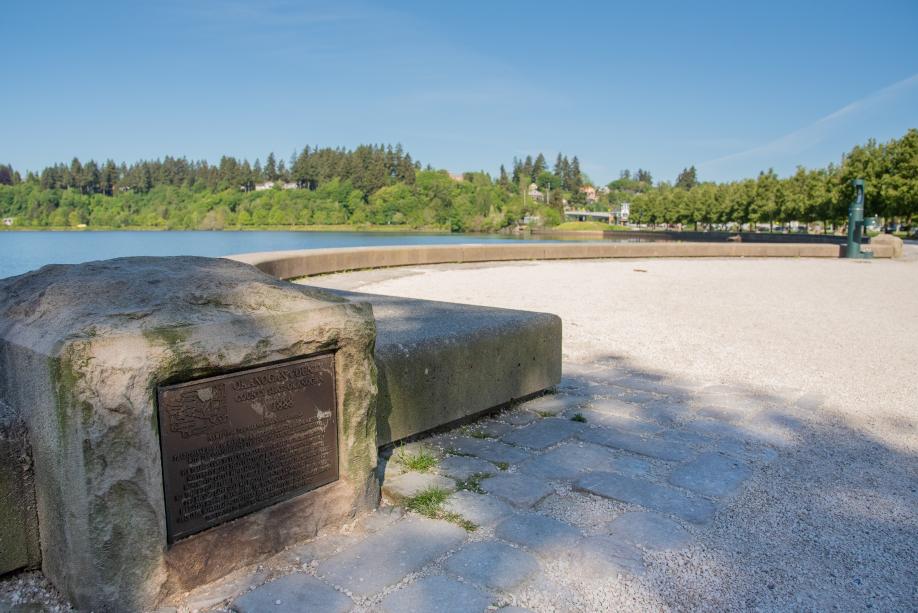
(368, 167)
(376, 184)
(890, 171)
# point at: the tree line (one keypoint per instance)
(811, 196)
(384, 185)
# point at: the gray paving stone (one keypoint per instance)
(478, 508)
(382, 517)
(493, 429)
(292, 594)
(569, 461)
(731, 413)
(647, 494)
(554, 403)
(463, 467)
(514, 610)
(318, 548)
(544, 536)
(407, 546)
(521, 491)
(602, 557)
(493, 451)
(649, 530)
(519, 418)
(492, 564)
(607, 374)
(647, 384)
(409, 484)
(664, 410)
(542, 434)
(436, 593)
(651, 447)
(711, 474)
(620, 423)
(614, 406)
(686, 437)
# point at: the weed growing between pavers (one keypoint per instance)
(473, 483)
(578, 417)
(544, 414)
(502, 465)
(429, 503)
(420, 461)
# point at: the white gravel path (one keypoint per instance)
(824, 347)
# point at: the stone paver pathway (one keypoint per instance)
(532, 495)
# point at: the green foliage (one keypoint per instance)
(429, 503)
(578, 417)
(383, 186)
(421, 460)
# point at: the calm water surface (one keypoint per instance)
(24, 251)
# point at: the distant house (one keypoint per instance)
(457, 178)
(534, 192)
(260, 187)
(532, 220)
(590, 192)
(8, 221)
(624, 211)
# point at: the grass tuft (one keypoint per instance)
(429, 503)
(579, 418)
(420, 461)
(545, 414)
(502, 465)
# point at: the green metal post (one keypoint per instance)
(856, 223)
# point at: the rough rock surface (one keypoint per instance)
(82, 350)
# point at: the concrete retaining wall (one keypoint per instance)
(440, 362)
(308, 262)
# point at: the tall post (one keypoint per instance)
(856, 222)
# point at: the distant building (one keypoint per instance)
(590, 192)
(624, 211)
(534, 192)
(260, 187)
(580, 215)
(8, 221)
(457, 178)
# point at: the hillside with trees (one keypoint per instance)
(378, 185)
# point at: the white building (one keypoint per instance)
(534, 192)
(260, 187)
(7, 221)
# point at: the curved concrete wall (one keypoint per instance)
(307, 262)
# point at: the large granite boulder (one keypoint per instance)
(83, 349)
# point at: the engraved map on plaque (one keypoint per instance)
(236, 443)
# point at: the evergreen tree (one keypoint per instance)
(537, 167)
(687, 179)
(271, 171)
(504, 180)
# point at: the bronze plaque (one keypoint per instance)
(236, 443)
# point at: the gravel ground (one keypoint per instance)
(832, 523)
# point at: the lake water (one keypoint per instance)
(24, 251)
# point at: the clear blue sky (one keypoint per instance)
(732, 87)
